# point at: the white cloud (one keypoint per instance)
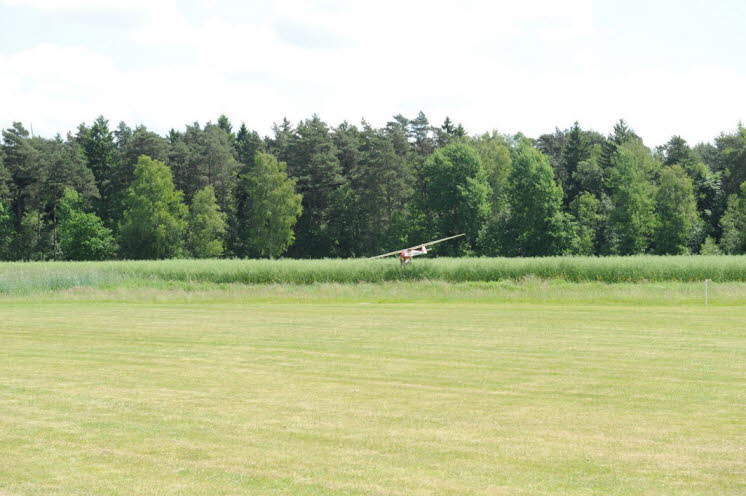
(56, 5)
(484, 64)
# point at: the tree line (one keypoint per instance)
(310, 190)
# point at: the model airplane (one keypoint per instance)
(405, 255)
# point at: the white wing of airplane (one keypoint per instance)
(417, 246)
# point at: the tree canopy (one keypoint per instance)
(311, 190)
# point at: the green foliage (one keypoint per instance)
(710, 247)
(22, 164)
(587, 212)
(590, 176)
(622, 135)
(455, 192)
(677, 152)
(102, 159)
(5, 180)
(83, 236)
(731, 150)
(66, 169)
(207, 225)
(204, 157)
(34, 238)
(494, 154)
(633, 219)
(153, 224)
(734, 224)
(6, 231)
(536, 225)
(271, 209)
(711, 200)
(676, 208)
(312, 161)
(367, 190)
(247, 144)
(18, 277)
(381, 189)
(576, 149)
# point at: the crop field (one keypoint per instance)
(26, 277)
(175, 378)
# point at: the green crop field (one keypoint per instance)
(24, 277)
(164, 378)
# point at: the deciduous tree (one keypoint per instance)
(734, 224)
(83, 236)
(154, 220)
(676, 208)
(207, 225)
(270, 211)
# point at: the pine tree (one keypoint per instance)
(314, 164)
(247, 144)
(225, 124)
(66, 168)
(100, 151)
(22, 163)
(622, 134)
(575, 150)
(677, 152)
(153, 224)
(281, 145)
(448, 133)
(420, 133)
(382, 189)
(204, 157)
(346, 139)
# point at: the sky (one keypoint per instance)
(666, 67)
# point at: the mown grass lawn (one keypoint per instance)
(263, 396)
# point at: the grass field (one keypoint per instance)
(415, 388)
(16, 278)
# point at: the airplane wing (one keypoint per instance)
(416, 246)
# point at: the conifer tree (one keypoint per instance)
(314, 164)
(100, 151)
(247, 144)
(382, 183)
(575, 150)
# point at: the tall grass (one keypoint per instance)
(19, 277)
